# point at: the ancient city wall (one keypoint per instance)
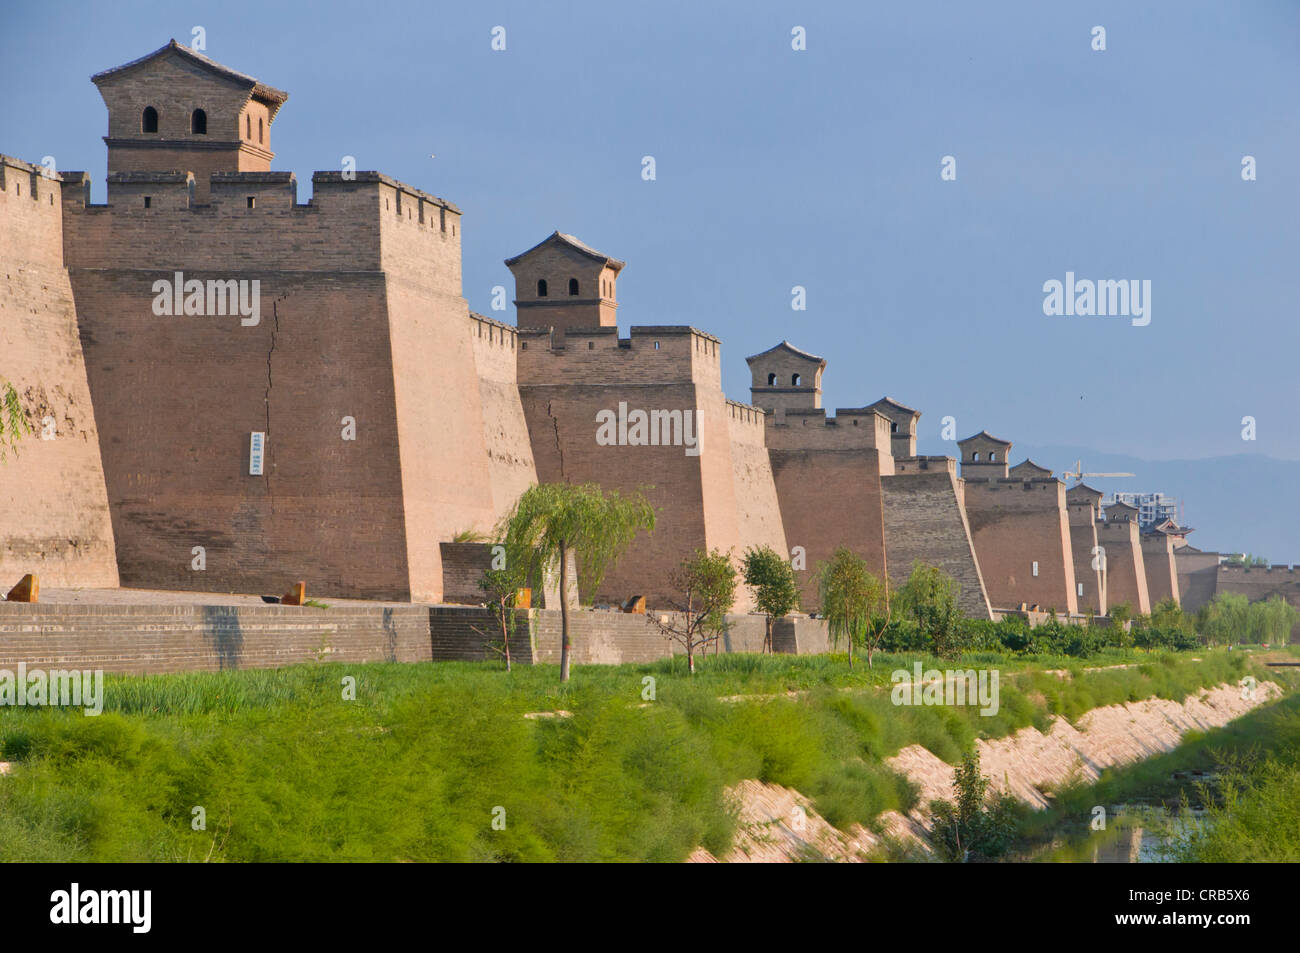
(1198, 574)
(1016, 524)
(655, 369)
(1158, 563)
(1259, 583)
(148, 639)
(447, 485)
(1089, 583)
(353, 334)
(1126, 580)
(607, 638)
(925, 521)
(54, 516)
(757, 508)
(827, 472)
(505, 431)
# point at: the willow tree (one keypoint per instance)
(854, 602)
(552, 520)
(13, 420)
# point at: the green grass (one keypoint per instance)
(1266, 736)
(1254, 818)
(287, 770)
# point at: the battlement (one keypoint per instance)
(925, 464)
(809, 428)
(35, 183)
(1226, 570)
(994, 484)
(746, 414)
(366, 222)
(32, 201)
(494, 331)
(653, 354)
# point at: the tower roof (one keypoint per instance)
(790, 348)
(1081, 492)
(985, 437)
(1029, 469)
(1119, 510)
(272, 97)
(892, 404)
(560, 238)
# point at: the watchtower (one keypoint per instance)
(902, 425)
(984, 456)
(562, 283)
(175, 110)
(786, 378)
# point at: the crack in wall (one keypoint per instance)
(266, 448)
(559, 450)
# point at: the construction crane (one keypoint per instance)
(1078, 473)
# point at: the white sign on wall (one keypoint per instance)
(255, 452)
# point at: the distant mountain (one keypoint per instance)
(1237, 503)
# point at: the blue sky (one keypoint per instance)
(818, 168)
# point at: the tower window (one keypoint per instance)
(199, 123)
(976, 457)
(149, 120)
(148, 200)
(248, 127)
(893, 428)
(259, 129)
(993, 457)
(252, 202)
(771, 380)
(541, 287)
(573, 286)
(794, 380)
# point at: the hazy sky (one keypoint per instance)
(818, 168)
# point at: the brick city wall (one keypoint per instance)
(1089, 583)
(1126, 580)
(505, 431)
(54, 515)
(1198, 575)
(827, 472)
(374, 290)
(925, 521)
(604, 637)
(655, 369)
(1015, 524)
(138, 639)
(135, 639)
(1158, 563)
(1259, 583)
(758, 510)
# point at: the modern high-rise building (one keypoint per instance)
(1153, 508)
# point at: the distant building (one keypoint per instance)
(1153, 508)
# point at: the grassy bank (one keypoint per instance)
(420, 764)
(1252, 766)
